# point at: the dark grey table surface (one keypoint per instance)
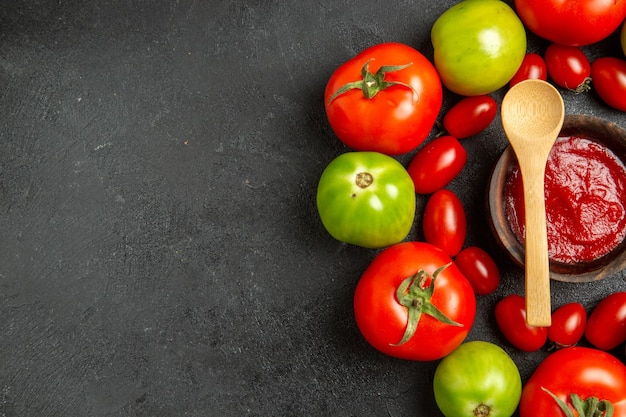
(160, 250)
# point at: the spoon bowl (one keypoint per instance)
(532, 116)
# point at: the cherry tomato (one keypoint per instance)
(591, 376)
(470, 116)
(479, 269)
(568, 67)
(606, 327)
(412, 302)
(444, 222)
(568, 325)
(511, 319)
(609, 81)
(436, 164)
(576, 23)
(385, 99)
(533, 68)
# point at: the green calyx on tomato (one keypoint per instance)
(414, 293)
(592, 406)
(372, 84)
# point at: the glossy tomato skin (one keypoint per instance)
(574, 23)
(583, 371)
(444, 222)
(568, 325)
(436, 164)
(533, 68)
(608, 76)
(511, 319)
(478, 46)
(470, 116)
(606, 326)
(568, 67)
(366, 199)
(478, 378)
(382, 320)
(479, 268)
(398, 118)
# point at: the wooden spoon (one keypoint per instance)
(532, 116)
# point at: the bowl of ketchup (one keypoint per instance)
(585, 194)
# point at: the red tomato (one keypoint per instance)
(511, 319)
(533, 68)
(479, 269)
(444, 222)
(609, 81)
(407, 306)
(575, 371)
(436, 164)
(385, 99)
(568, 325)
(576, 23)
(568, 67)
(606, 327)
(470, 116)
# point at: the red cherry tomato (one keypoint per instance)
(412, 302)
(568, 66)
(511, 319)
(609, 80)
(436, 164)
(568, 325)
(444, 222)
(479, 269)
(470, 116)
(533, 68)
(606, 326)
(579, 22)
(385, 99)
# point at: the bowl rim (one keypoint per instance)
(607, 265)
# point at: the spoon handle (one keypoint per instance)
(538, 311)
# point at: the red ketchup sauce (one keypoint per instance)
(585, 188)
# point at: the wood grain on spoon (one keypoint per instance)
(532, 116)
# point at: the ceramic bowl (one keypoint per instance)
(606, 132)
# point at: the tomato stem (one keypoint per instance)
(591, 407)
(582, 87)
(482, 410)
(372, 84)
(414, 293)
(363, 179)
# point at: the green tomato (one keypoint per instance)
(366, 199)
(477, 379)
(478, 46)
